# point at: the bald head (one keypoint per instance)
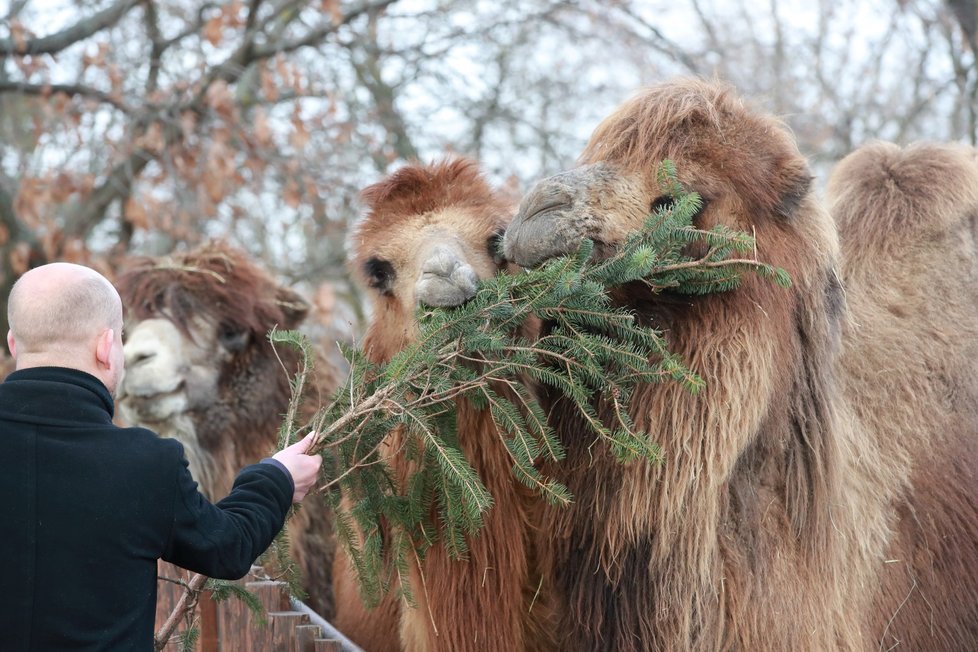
(58, 312)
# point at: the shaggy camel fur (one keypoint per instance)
(431, 232)
(803, 498)
(199, 368)
(908, 224)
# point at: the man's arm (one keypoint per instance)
(223, 540)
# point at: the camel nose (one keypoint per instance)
(446, 279)
(539, 230)
(545, 196)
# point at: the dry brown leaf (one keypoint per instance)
(256, 165)
(63, 187)
(213, 30)
(74, 251)
(206, 207)
(299, 136)
(20, 258)
(311, 187)
(268, 87)
(152, 139)
(235, 13)
(282, 68)
(332, 7)
(33, 196)
(213, 185)
(59, 102)
(84, 183)
(324, 300)
(261, 130)
(51, 241)
(221, 99)
(18, 33)
(188, 123)
(135, 213)
(291, 195)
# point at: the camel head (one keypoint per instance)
(198, 365)
(429, 235)
(744, 165)
(773, 344)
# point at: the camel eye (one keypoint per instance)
(380, 275)
(663, 203)
(666, 202)
(232, 338)
(495, 246)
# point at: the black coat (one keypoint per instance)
(89, 507)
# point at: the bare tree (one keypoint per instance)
(141, 126)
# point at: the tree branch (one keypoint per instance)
(151, 20)
(80, 221)
(80, 90)
(187, 602)
(69, 36)
(316, 36)
(15, 8)
(368, 72)
(232, 68)
(17, 233)
(659, 41)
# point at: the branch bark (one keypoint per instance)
(87, 215)
(17, 233)
(315, 36)
(118, 183)
(383, 94)
(67, 37)
(81, 90)
(187, 602)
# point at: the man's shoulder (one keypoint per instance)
(146, 442)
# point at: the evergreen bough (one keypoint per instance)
(591, 351)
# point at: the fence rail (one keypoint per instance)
(230, 626)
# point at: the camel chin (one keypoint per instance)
(151, 408)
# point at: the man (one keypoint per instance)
(89, 507)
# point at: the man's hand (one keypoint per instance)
(303, 468)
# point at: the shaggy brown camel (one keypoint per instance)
(199, 368)
(820, 493)
(430, 233)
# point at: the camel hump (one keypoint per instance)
(884, 197)
(908, 232)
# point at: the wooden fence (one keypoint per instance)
(230, 626)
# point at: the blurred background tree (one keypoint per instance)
(142, 126)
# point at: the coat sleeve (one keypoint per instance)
(223, 540)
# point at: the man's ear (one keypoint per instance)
(11, 345)
(103, 348)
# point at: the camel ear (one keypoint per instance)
(794, 182)
(293, 306)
